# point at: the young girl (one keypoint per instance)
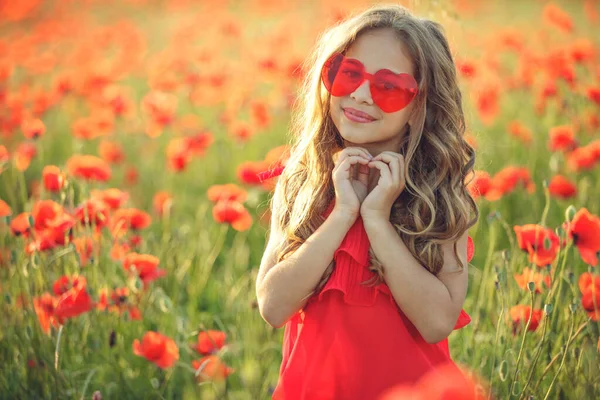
(366, 264)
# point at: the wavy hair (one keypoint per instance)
(435, 206)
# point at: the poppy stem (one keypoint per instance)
(556, 287)
(535, 357)
(498, 325)
(9, 193)
(558, 355)
(512, 385)
(57, 349)
(562, 362)
(22, 186)
(87, 381)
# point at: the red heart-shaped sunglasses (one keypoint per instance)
(390, 91)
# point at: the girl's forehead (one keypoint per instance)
(381, 49)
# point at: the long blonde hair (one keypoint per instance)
(435, 206)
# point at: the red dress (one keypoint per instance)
(352, 341)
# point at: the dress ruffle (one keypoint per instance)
(352, 268)
(352, 261)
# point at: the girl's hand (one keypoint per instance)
(378, 204)
(350, 179)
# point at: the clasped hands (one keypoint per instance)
(391, 183)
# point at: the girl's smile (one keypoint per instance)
(358, 116)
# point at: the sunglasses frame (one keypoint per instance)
(379, 98)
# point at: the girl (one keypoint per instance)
(366, 264)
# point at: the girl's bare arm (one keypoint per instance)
(282, 288)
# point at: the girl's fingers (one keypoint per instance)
(396, 164)
(348, 163)
(384, 170)
(351, 151)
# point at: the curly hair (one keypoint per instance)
(435, 207)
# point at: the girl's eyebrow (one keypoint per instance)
(356, 61)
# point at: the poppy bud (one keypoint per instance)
(573, 307)
(570, 213)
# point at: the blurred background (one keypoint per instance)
(133, 221)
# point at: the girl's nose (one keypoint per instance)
(362, 94)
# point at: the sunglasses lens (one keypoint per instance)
(392, 92)
(341, 76)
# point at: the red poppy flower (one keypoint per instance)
(487, 103)
(584, 229)
(507, 179)
(278, 155)
(520, 314)
(594, 94)
(479, 185)
(589, 285)
(85, 248)
(119, 250)
(118, 302)
(24, 154)
(211, 368)
(65, 282)
(5, 209)
(45, 212)
(113, 198)
(92, 212)
(228, 191)
(198, 143)
(131, 176)
(86, 129)
(260, 115)
(111, 152)
(210, 341)
(557, 17)
(520, 131)
(532, 238)
(247, 172)
(234, 213)
(72, 303)
(144, 265)
(446, 381)
(33, 128)
(54, 179)
(178, 154)
(161, 202)
(466, 68)
(89, 167)
(582, 50)
(44, 306)
(118, 99)
(4, 155)
(129, 218)
(160, 106)
(562, 138)
(19, 225)
(561, 187)
(582, 158)
(157, 348)
(542, 282)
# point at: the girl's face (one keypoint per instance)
(379, 131)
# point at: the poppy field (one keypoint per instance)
(134, 215)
